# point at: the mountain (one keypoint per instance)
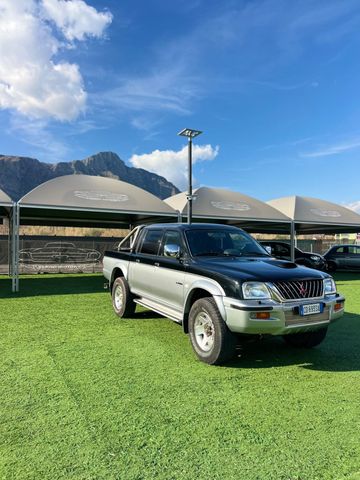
(19, 175)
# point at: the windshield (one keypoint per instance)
(223, 242)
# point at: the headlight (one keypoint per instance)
(315, 258)
(255, 290)
(329, 286)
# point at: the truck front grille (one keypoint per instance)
(296, 290)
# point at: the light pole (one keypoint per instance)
(190, 134)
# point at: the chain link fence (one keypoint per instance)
(320, 245)
(49, 254)
(4, 255)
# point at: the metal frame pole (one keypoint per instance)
(12, 257)
(189, 196)
(14, 249)
(292, 241)
(9, 220)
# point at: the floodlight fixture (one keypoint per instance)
(189, 132)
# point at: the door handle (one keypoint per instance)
(137, 260)
(157, 264)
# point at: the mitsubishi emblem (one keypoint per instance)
(302, 290)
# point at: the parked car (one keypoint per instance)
(219, 283)
(58, 252)
(282, 250)
(343, 257)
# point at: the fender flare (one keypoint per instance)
(118, 269)
(213, 288)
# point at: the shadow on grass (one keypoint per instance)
(37, 285)
(145, 314)
(340, 351)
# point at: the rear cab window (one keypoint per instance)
(150, 242)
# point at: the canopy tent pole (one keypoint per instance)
(11, 247)
(179, 216)
(15, 248)
(292, 240)
(9, 227)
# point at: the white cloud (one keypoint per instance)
(173, 164)
(333, 149)
(167, 90)
(40, 139)
(31, 81)
(76, 19)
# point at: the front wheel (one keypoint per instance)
(122, 299)
(306, 339)
(210, 337)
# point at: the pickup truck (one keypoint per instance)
(219, 283)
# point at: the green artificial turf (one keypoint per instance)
(85, 395)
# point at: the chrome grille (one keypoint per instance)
(300, 289)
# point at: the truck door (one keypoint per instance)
(170, 273)
(142, 268)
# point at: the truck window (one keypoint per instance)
(222, 242)
(282, 249)
(151, 242)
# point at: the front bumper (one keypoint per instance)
(284, 317)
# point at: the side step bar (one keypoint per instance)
(165, 311)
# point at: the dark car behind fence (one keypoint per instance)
(49, 254)
(316, 246)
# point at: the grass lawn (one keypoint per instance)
(85, 395)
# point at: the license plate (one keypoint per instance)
(311, 309)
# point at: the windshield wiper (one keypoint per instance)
(255, 254)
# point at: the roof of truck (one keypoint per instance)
(194, 225)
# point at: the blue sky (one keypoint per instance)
(273, 84)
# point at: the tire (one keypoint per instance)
(210, 338)
(306, 339)
(122, 299)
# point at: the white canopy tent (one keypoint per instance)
(84, 201)
(234, 208)
(312, 215)
(6, 210)
(5, 204)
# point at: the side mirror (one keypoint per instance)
(268, 249)
(172, 250)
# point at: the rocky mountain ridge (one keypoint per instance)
(19, 175)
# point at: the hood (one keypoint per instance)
(259, 269)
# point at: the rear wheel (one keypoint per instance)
(122, 298)
(306, 339)
(331, 267)
(210, 337)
